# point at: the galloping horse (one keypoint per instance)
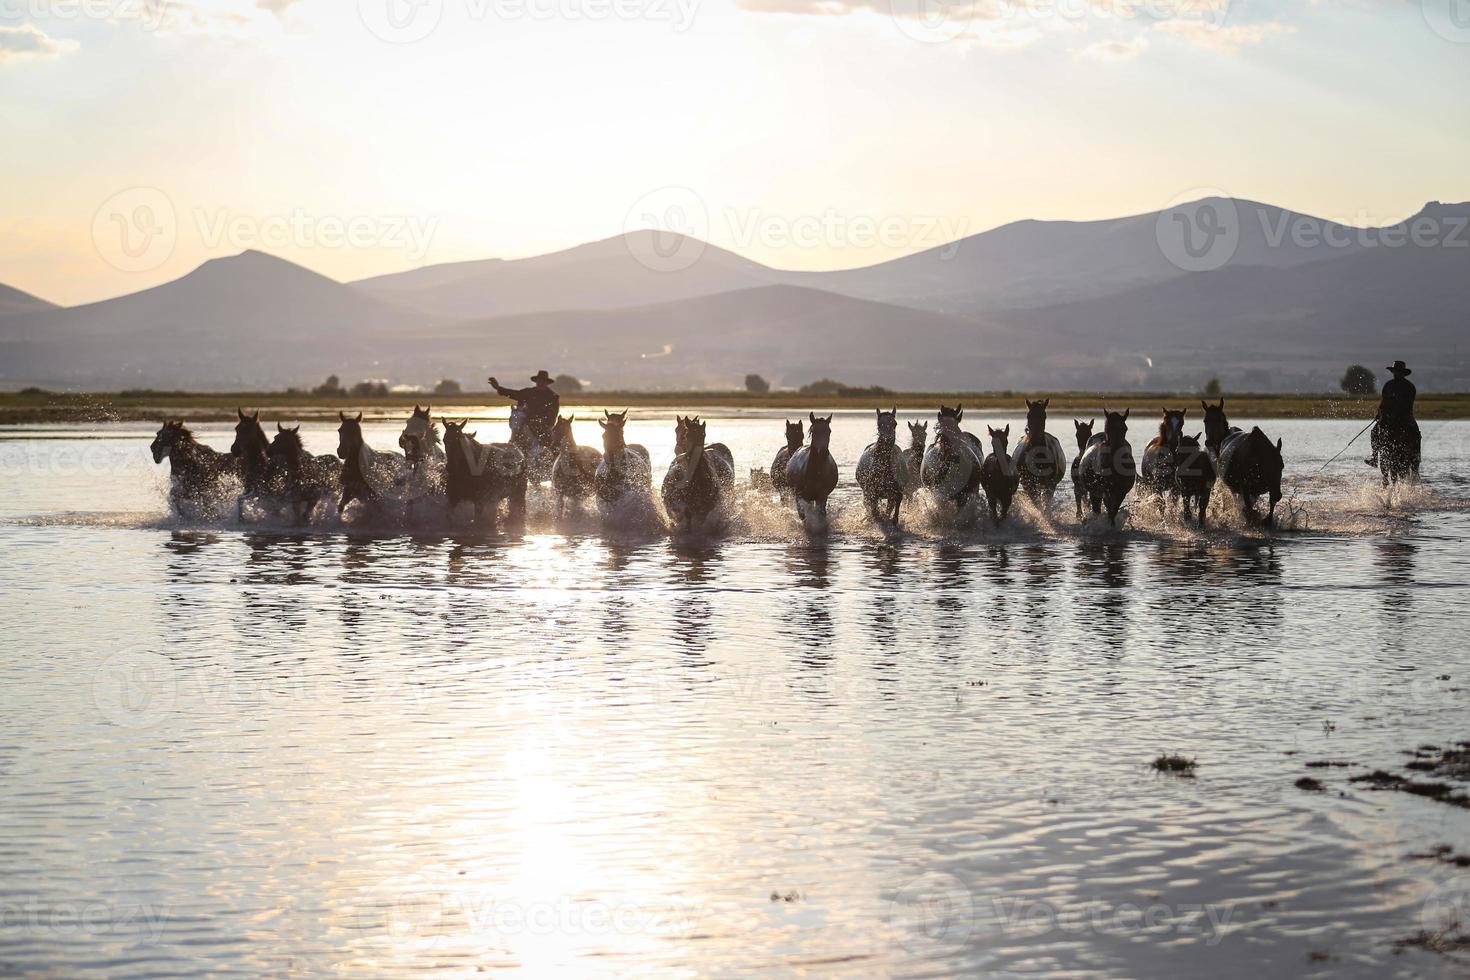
(1194, 476)
(1085, 438)
(1247, 462)
(251, 451)
(794, 439)
(1038, 458)
(878, 470)
(1161, 458)
(540, 456)
(575, 467)
(812, 472)
(198, 472)
(694, 485)
(999, 476)
(719, 455)
(910, 463)
(482, 473)
(306, 480)
(951, 468)
(1107, 469)
(424, 455)
(625, 470)
(366, 473)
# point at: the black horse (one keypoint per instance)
(1107, 469)
(481, 474)
(1038, 457)
(259, 479)
(1161, 457)
(306, 480)
(1399, 449)
(1194, 476)
(812, 472)
(695, 483)
(999, 476)
(199, 473)
(878, 473)
(1085, 438)
(366, 472)
(1247, 462)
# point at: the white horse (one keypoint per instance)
(879, 470)
(575, 470)
(423, 452)
(625, 471)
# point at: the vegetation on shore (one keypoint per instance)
(33, 405)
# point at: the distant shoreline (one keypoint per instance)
(135, 406)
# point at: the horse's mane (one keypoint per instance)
(184, 433)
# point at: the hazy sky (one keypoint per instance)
(364, 136)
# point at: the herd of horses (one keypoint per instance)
(447, 473)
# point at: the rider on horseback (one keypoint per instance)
(541, 403)
(1395, 428)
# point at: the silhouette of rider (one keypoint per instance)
(542, 403)
(1396, 409)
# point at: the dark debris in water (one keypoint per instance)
(1444, 854)
(1176, 765)
(1311, 785)
(1449, 941)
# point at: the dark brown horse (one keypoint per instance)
(1107, 469)
(366, 473)
(1038, 458)
(483, 474)
(575, 469)
(1085, 438)
(1248, 463)
(1194, 476)
(999, 477)
(306, 480)
(199, 473)
(259, 479)
(695, 483)
(1161, 457)
(878, 471)
(812, 472)
(795, 437)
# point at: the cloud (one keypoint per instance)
(1225, 40)
(26, 41)
(1112, 51)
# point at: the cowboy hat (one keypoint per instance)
(1400, 368)
(542, 376)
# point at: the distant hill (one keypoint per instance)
(14, 301)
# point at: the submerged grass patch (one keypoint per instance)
(1175, 765)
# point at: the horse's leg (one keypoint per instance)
(1271, 514)
(1204, 506)
(1097, 502)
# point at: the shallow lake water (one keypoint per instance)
(589, 748)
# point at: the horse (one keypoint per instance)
(951, 469)
(306, 480)
(1194, 475)
(540, 456)
(575, 468)
(1038, 459)
(423, 455)
(1161, 458)
(198, 472)
(251, 449)
(1399, 449)
(999, 476)
(794, 439)
(365, 471)
(1085, 438)
(1107, 469)
(695, 484)
(481, 473)
(624, 469)
(877, 470)
(1246, 462)
(910, 462)
(812, 472)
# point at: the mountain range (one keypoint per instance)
(1106, 304)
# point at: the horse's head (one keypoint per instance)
(613, 440)
(999, 439)
(919, 435)
(888, 424)
(249, 436)
(420, 435)
(1084, 433)
(1216, 424)
(955, 415)
(561, 431)
(172, 434)
(681, 434)
(1171, 427)
(694, 433)
(947, 429)
(1036, 416)
(1115, 427)
(795, 435)
(349, 436)
(821, 430)
(286, 444)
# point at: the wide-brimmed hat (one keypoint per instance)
(543, 376)
(1399, 367)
